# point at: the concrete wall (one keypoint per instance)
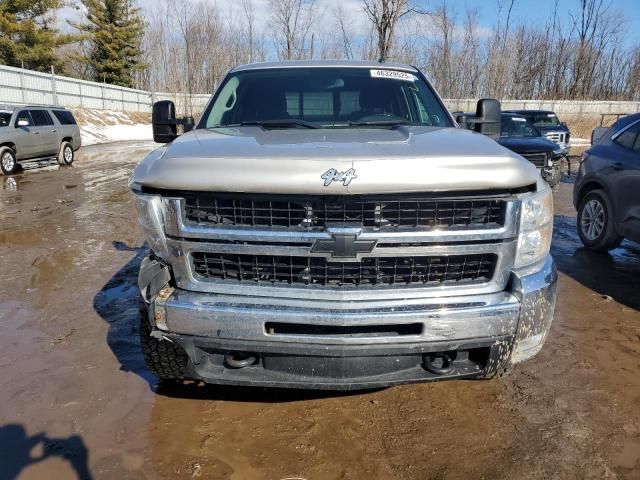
(568, 107)
(18, 86)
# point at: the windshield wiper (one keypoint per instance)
(279, 123)
(384, 123)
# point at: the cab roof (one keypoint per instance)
(325, 64)
(530, 112)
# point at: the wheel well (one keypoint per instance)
(68, 139)
(588, 188)
(12, 146)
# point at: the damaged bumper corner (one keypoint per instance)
(537, 294)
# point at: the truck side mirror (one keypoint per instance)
(22, 122)
(461, 119)
(487, 119)
(163, 121)
(187, 124)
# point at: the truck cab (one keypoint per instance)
(328, 225)
(548, 123)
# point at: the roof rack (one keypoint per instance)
(13, 106)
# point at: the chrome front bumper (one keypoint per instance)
(509, 327)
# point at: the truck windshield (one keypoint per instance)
(544, 119)
(5, 118)
(324, 98)
(517, 127)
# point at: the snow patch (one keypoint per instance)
(104, 126)
(93, 134)
(580, 142)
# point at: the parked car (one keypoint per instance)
(327, 225)
(32, 133)
(607, 189)
(549, 125)
(518, 134)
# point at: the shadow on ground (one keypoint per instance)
(18, 451)
(615, 274)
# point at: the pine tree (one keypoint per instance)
(28, 34)
(113, 31)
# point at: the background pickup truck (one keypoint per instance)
(327, 225)
(36, 133)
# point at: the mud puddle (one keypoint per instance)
(77, 399)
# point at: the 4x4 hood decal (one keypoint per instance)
(406, 159)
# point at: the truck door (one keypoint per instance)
(27, 136)
(48, 132)
(625, 180)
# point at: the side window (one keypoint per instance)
(628, 138)
(636, 146)
(22, 117)
(41, 118)
(64, 117)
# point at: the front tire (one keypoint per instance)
(595, 222)
(165, 359)
(66, 154)
(8, 162)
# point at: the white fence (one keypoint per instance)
(19, 86)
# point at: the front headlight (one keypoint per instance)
(151, 219)
(536, 228)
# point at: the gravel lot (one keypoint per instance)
(77, 399)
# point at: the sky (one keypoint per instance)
(535, 12)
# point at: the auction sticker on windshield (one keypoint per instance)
(393, 74)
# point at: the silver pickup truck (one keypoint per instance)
(328, 225)
(34, 133)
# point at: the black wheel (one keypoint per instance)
(8, 162)
(595, 222)
(66, 154)
(163, 358)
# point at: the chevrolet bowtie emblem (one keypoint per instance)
(343, 246)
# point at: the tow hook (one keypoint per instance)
(438, 363)
(239, 360)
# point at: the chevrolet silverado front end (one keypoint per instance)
(337, 231)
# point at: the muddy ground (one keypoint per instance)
(77, 401)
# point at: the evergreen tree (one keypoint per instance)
(113, 31)
(28, 34)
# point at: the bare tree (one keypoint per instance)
(345, 35)
(190, 46)
(385, 15)
(292, 20)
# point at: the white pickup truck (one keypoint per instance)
(328, 225)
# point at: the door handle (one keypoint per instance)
(54, 131)
(36, 133)
(617, 165)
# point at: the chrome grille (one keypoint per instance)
(558, 137)
(539, 159)
(371, 271)
(315, 213)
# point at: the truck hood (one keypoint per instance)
(404, 159)
(528, 144)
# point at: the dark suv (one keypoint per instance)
(607, 190)
(519, 135)
(549, 125)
